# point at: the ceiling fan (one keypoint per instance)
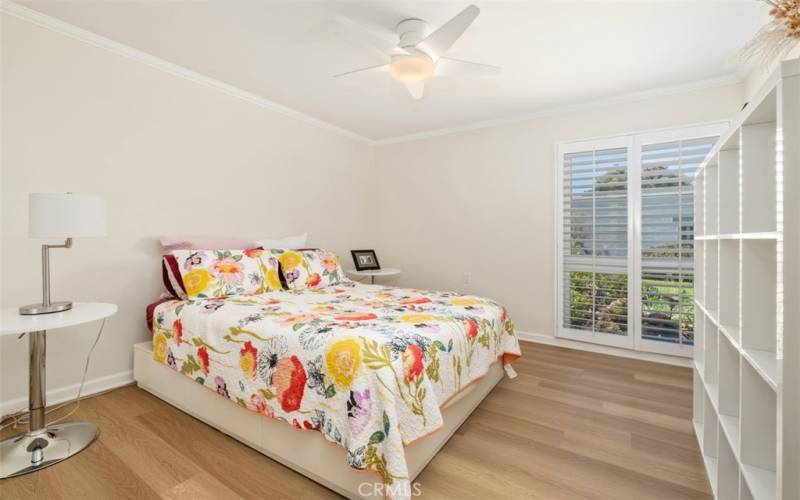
(416, 53)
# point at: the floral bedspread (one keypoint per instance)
(367, 366)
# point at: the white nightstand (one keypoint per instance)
(42, 446)
(387, 271)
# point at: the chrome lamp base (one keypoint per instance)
(53, 307)
(36, 450)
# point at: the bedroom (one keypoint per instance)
(575, 223)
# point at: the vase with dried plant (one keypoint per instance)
(779, 36)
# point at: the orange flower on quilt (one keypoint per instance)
(253, 253)
(289, 381)
(313, 280)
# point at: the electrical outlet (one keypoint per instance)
(467, 278)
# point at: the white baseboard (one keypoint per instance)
(541, 338)
(55, 396)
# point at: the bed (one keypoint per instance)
(370, 369)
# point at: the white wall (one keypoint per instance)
(482, 202)
(170, 156)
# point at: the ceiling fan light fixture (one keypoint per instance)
(411, 68)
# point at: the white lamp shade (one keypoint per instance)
(66, 215)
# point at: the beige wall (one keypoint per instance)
(170, 156)
(482, 202)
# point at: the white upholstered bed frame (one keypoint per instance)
(308, 453)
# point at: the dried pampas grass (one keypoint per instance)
(779, 36)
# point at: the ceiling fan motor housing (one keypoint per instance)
(411, 32)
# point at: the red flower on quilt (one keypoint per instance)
(472, 329)
(202, 353)
(418, 300)
(289, 380)
(177, 330)
(412, 362)
(355, 316)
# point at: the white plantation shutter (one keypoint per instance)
(595, 240)
(667, 238)
(626, 238)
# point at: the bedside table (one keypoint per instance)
(43, 446)
(387, 271)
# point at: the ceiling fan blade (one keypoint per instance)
(380, 39)
(416, 89)
(437, 43)
(380, 68)
(447, 66)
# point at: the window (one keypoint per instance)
(626, 238)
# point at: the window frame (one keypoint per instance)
(633, 141)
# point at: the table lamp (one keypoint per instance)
(64, 216)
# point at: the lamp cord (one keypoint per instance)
(19, 418)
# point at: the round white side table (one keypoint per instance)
(43, 446)
(387, 271)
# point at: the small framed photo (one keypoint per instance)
(365, 260)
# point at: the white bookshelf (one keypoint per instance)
(747, 295)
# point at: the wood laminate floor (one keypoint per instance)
(572, 425)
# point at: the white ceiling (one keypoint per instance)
(553, 53)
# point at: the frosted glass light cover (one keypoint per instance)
(66, 215)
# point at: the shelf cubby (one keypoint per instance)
(699, 204)
(699, 270)
(711, 276)
(759, 306)
(758, 178)
(728, 170)
(710, 363)
(699, 335)
(758, 433)
(729, 287)
(728, 387)
(727, 471)
(711, 197)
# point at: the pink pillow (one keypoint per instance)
(169, 243)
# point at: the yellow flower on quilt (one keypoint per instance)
(273, 280)
(160, 347)
(196, 281)
(417, 318)
(290, 260)
(464, 302)
(343, 361)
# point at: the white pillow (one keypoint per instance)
(290, 242)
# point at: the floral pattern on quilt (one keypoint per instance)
(367, 366)
(315, 268)
(223, 273)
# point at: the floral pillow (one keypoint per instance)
(222, 273)
(314, 268)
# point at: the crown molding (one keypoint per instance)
(710, 83)
(70, 30)
(57, 25)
